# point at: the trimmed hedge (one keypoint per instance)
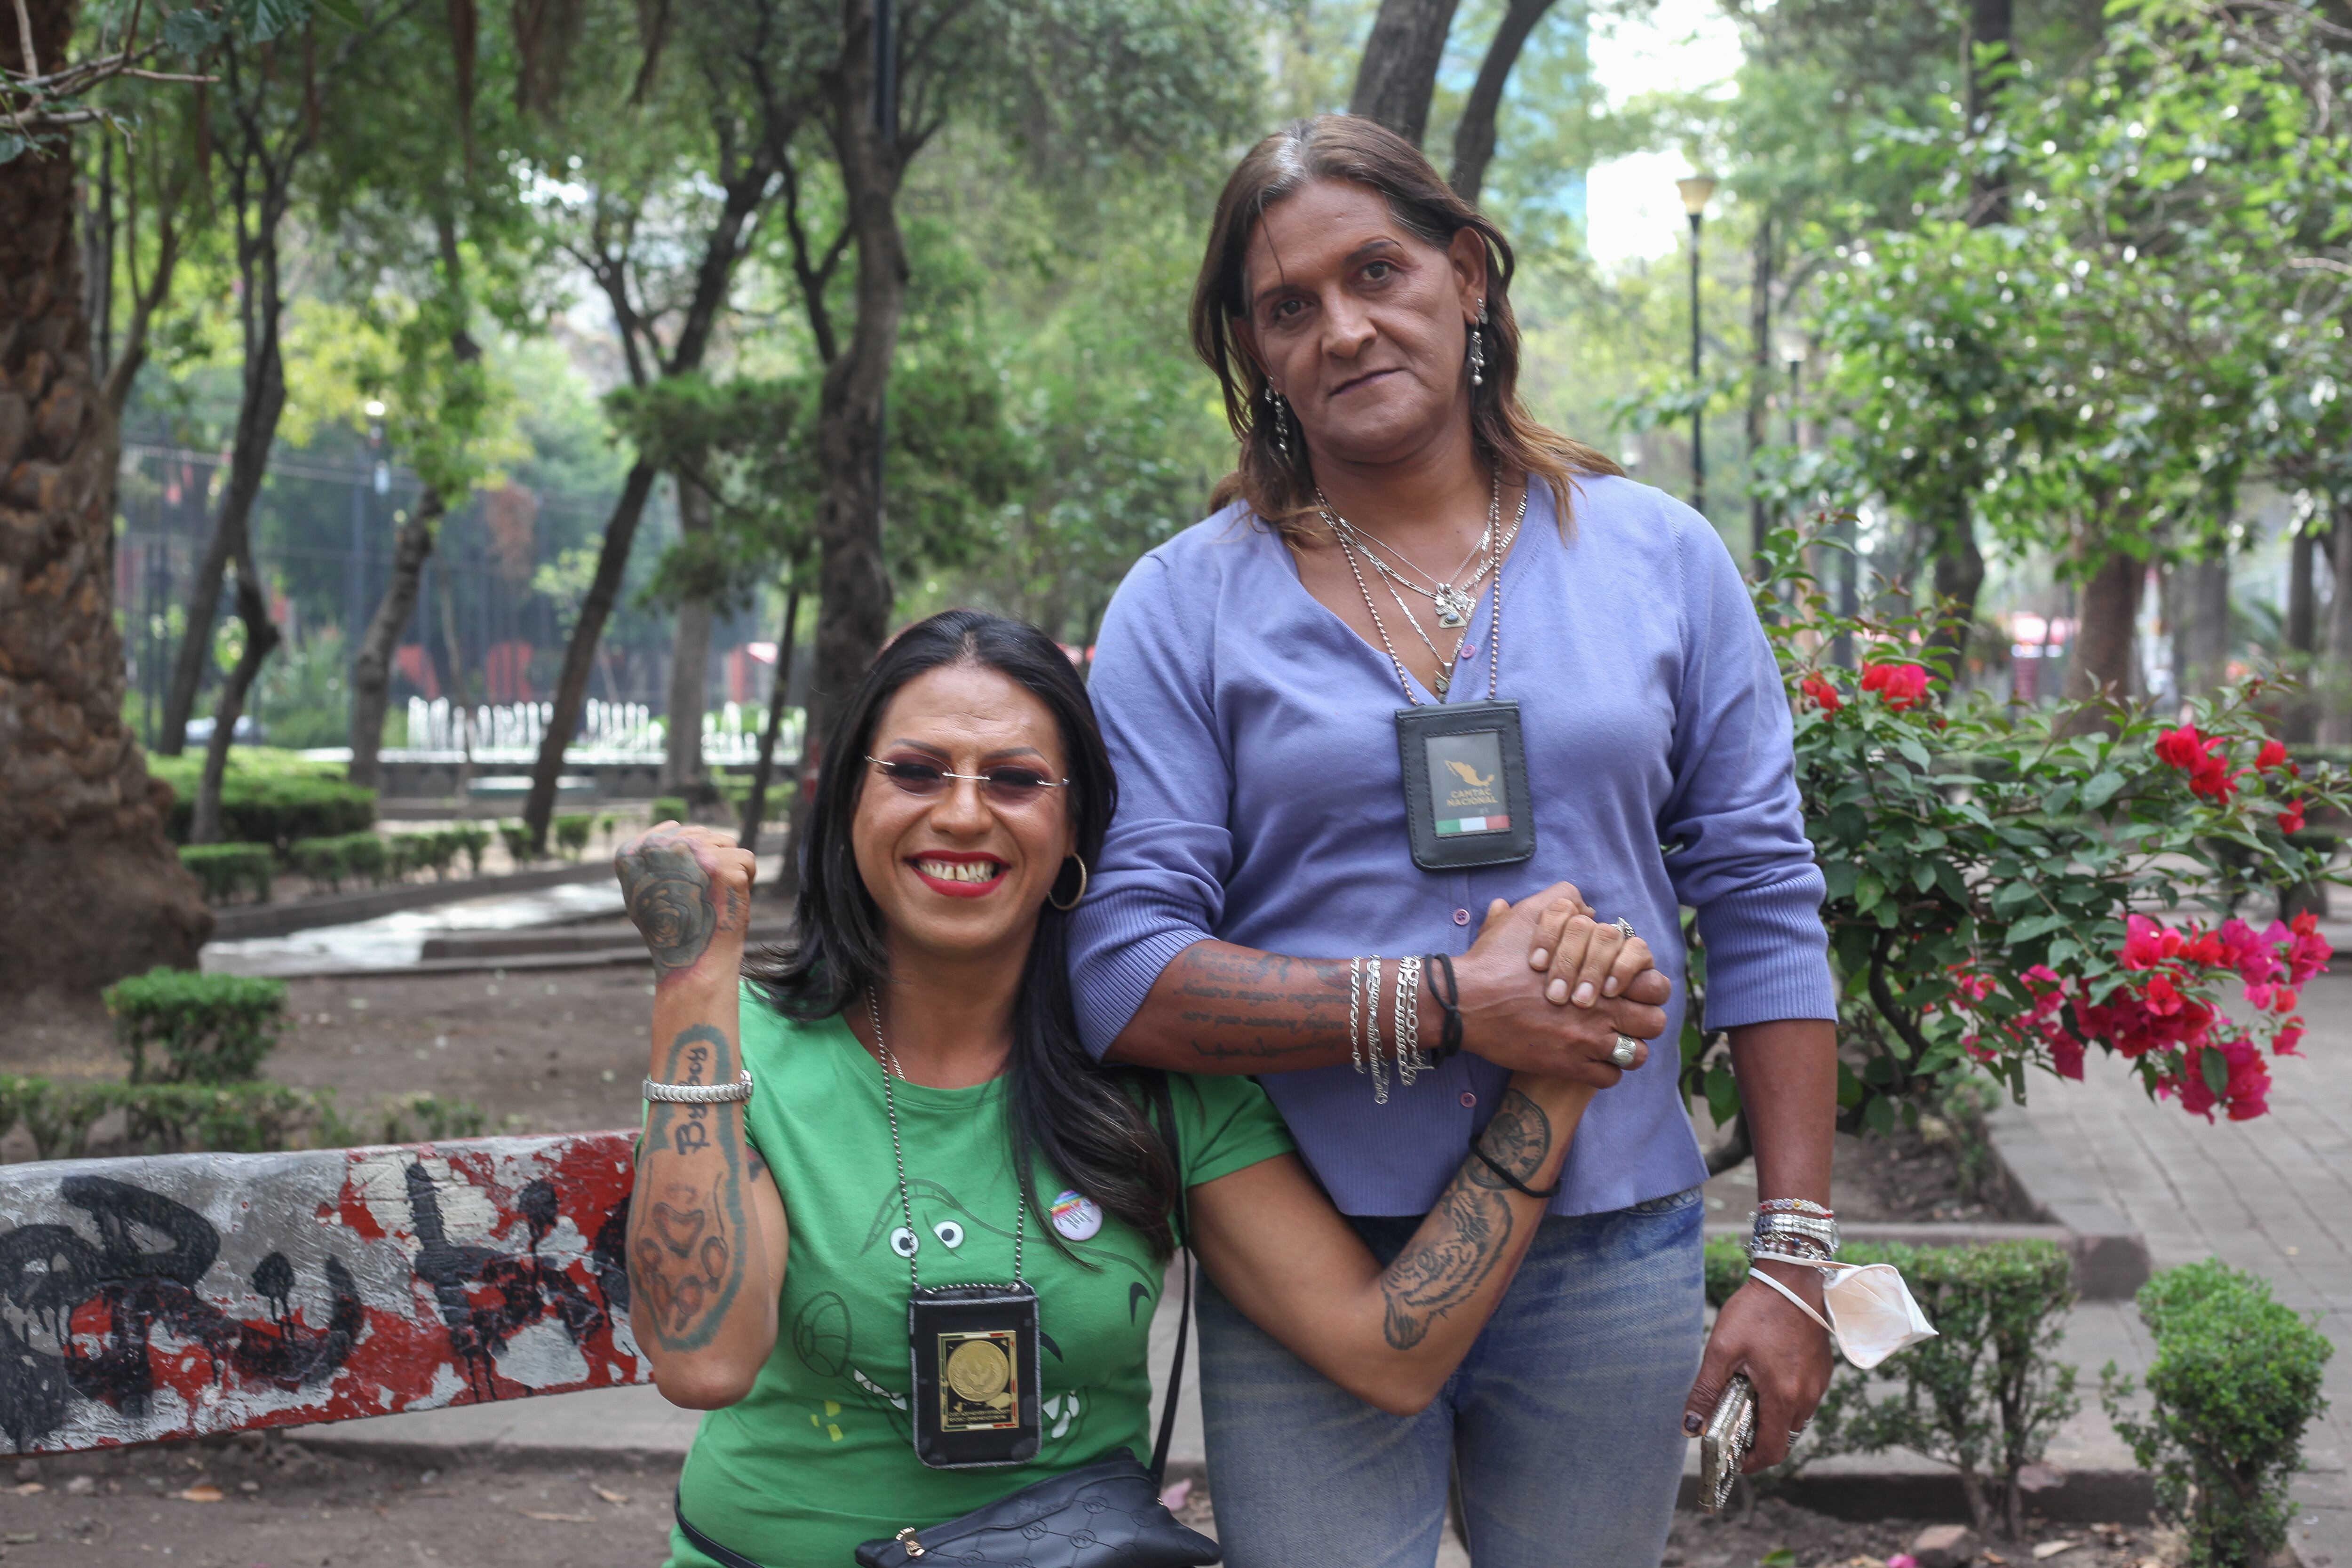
(516, 836)
(348, 857)
(1984, 1397)
(2234, 1384)
(571, 835)
(671, 808)
(228, 870)
(232, 1118)
(211, 1028)
(278, 811)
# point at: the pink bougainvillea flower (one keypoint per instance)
(2144, 943)
(2289, 1040)
(2310, 952)
(2254, 957)
(1899, 686)
(1820, 693)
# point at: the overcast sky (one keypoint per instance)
(1631, 208)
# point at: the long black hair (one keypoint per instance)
(1059, 1101)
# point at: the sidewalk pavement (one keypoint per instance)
(2273, 1196)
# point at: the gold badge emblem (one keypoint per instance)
(977, 1372)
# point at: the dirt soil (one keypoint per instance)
(1904, 1176)
(253, 1502)
(1818, 1540)
(539, 1050)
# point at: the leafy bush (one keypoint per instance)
(571, 835)
(407, 1118)
(277, 810)
(671, 808)
(1983, 1396)
(329, 862)
(235, 1117)
(1984, 864)
(2235, 1382)
(516, 836)
(435, 850)
(472, 838)
(58, 1116)
(228, 869)
(213, 1028)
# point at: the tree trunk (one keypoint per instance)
(2201, 636)
(756, 807)
(372, 671)
(853, 585)
(1399, 70)
(2106, 661)
(689, 664)
(580, 653)
(1990, 28)
(2302, 721)
(1960, 573)
(2335, 674)
(95, 892)
(261, 636)
(1473, 134)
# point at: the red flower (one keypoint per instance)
(2310, 952)
(1822, 693)
(2288, 1040)
(1900, 686)
(2183, 748)
(2290, 817)
(2272, 754)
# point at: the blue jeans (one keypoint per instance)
(1565, 1419)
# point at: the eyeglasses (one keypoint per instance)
(998, 787)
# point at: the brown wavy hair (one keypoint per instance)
(1364, 152)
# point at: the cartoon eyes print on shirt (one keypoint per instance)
(950, 1234)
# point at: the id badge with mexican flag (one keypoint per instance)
(1465, 785)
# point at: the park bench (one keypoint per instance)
(183, 1295)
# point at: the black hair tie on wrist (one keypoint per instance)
(1516, 1184)
(1449, 997)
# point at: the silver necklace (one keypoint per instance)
(1494, 633)
(1454, 602)
(899, 1153)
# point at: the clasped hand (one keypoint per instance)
(1547, 988)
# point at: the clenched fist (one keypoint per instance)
(687, 889)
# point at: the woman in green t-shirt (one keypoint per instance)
(918, 1102)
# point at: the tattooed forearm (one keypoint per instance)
(1462, 1239)
(670, 897)
(686, 1245)
(1237, 1006)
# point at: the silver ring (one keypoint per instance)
(1626, 1049)
(1621, 923)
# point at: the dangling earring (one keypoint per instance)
(1081, 893)
(1281, 424)
(1478, 348)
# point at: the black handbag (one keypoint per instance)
(1106, 1513)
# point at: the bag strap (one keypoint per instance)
(1165, 1103)
(725, 1556)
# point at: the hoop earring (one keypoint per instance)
(1081, 893)
(1281, 424)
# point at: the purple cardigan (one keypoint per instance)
(1260, 803)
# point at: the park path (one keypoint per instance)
(2272, 1197)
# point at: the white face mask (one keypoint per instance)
(1872, 1314)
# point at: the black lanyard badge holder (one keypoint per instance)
(974, 1354)
(1465, 784)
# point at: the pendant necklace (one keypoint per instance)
(971, 1350)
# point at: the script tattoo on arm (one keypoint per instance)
(1261, 1006)
(1468, 1232)
(685, 1228)
(670, 899)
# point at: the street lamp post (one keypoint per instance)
(1696, 189)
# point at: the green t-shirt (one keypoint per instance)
(819, 1456)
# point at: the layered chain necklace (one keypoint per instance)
(1454, 602)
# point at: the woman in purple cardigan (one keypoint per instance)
(1402, 732)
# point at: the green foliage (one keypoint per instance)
(670, 808)
(58, 1116)
(406, 1118)
(348, 856)
(302, 697)
(1981, 859)
(211, 1028)
(435, 850)
(228, 870)
(1984, 1396)
(2234, 1384)
(571, 835)
(516, 836)
(472, 838)
(268, 797)
(239, 1117)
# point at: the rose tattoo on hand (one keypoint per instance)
(669, 897)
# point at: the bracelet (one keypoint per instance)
(1355, 1013)
(699, 1093)
(1409, 1060)
(1449, 997)
(1515, 1184)
(1373, 989)
(1796, 1206)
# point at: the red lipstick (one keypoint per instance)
(948, 888)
